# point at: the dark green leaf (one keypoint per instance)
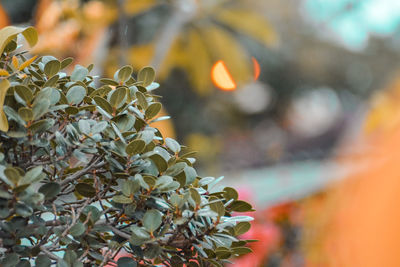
(152, 110)
(126, 262)
(85, 190)
(52, 67)
(124, 73)
(50, 190)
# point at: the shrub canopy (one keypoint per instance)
(84, 176)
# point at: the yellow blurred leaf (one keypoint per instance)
(199, 63)
(4, 72)
(27, 63)
(249, 23)
(15, 62)
(133, 7)
(223, 46)
(141, 55)
(4, 85)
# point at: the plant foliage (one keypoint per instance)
(84, 176)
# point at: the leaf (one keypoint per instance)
(146, 76)
(66, 62)
(24, 92)
(76, 94)
(249, 23)
(130, 187)
(152, 220)
(152, 110)
(15, 62)
(241, 250)
(117, 97)
(31, 176)
(218, 206)
(230, 193)
(4, 85)
(12, 174)
(42, 261)
(50, 190)
(79, 73)
(240, 206)
(77, 229)
(135, 147)
(85, 190)
(10, 32)
(126, 262)
(27, 63)
(25, 113)
(40, 107)
(101, 102)
(141, 100)
(124, 73)
(241, 228)
(4, 72)
(195, 195)
(52, 67)
(172, 145)
(122, 199)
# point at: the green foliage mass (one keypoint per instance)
(84, 176)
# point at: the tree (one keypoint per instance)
(84, 175)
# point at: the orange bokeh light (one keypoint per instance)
(221, 77)
(256, 67)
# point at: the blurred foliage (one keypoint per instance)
(84, 175)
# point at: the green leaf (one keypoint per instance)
(240, 206)
(218, 206)
(146, 76)
(23, 210)
(195, 195)
(25, 113)
(122, 199)
(108, 81)
(126, 262)
(24, 92)
(172, 145)
(242, 228)
(12, 174)
(124, 73)
(152, 220)
(40, 107)
(85, 190)
(152, 110)
(141, 99)
(130, 187)
(50, 190)
(52, 67)
(79, 73)
(41, 126)
(230, 193)
(33, 175)
(66, 61)
(241, 250)
(117, 97)
(76, 94)
(77, 229)
(135, 147)
(42, 261)
(101, 102)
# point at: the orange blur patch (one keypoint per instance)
(4, 21)
(221, 77)
(256, 67)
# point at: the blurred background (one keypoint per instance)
(296, 102)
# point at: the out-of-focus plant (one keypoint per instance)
(190, 35)
(84, 175)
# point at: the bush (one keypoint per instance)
(84, 176)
